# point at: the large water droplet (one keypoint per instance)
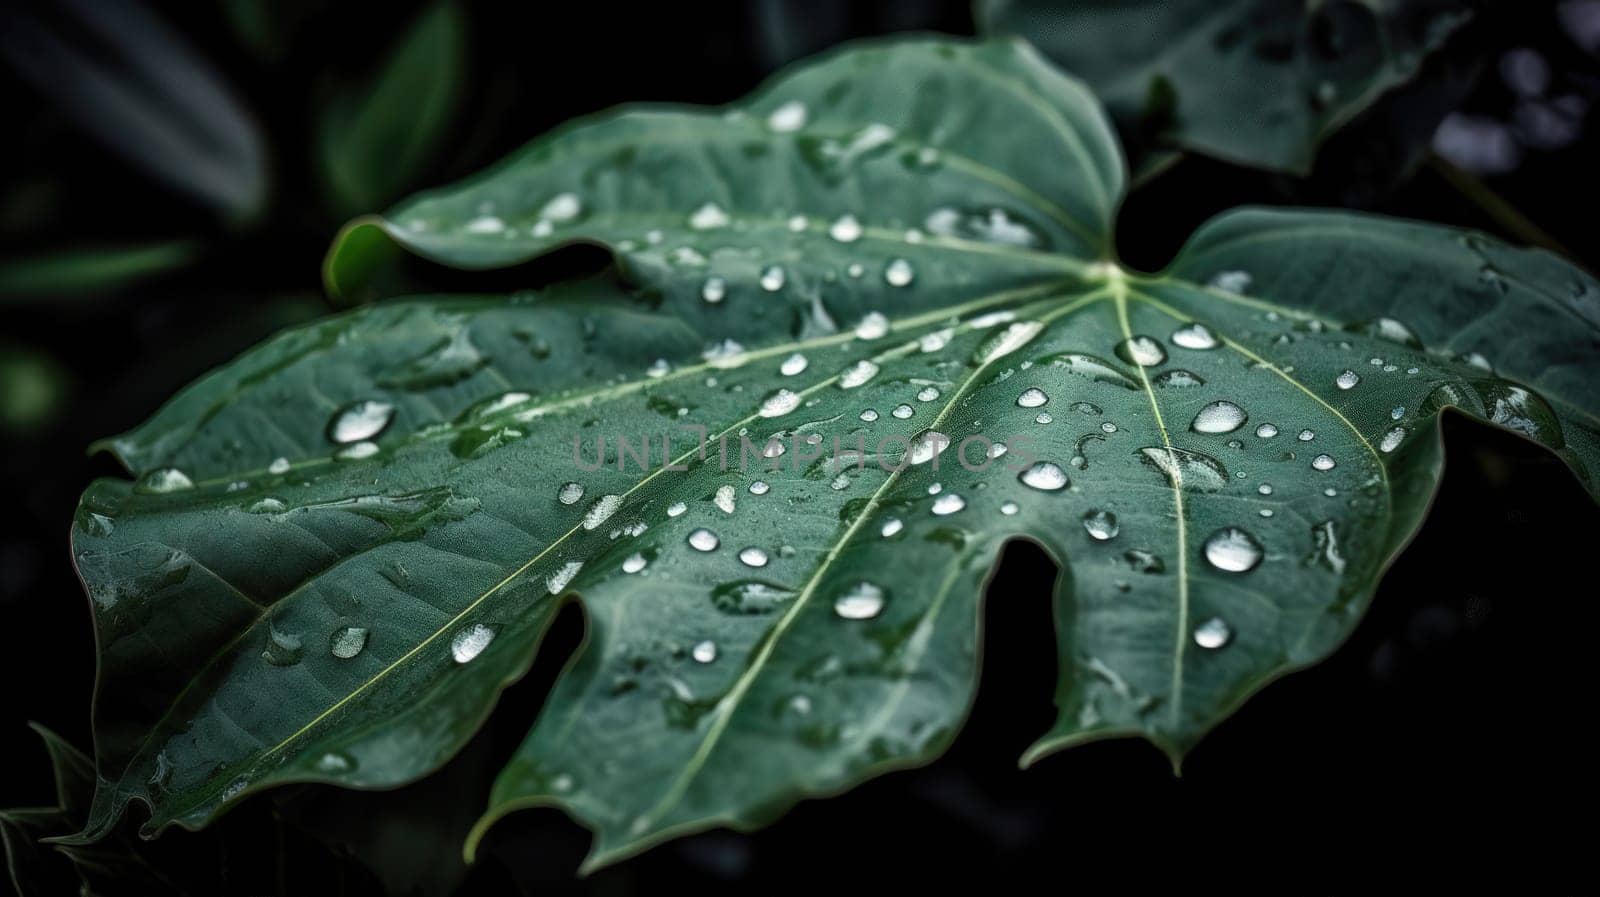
(926, 446)
(873, 326)
(468, 643)
(1101, 525)
(1232, 550)
(948, 504)
(1044, 476)
(857, 374)
(634, 563)
(1004, 342)
(1266, 431)
(283, 649)
(846, 229)
(1392, 439)
(347, 641)
(163, 480)
(703, 539)
(862, 601)
(1324, 462)
(1032, 397)
(601, 510)
(1219, 417)
(892, 527)
(724, 498)
(1193, 470)
(903, 411)
(1092, 368)
(793, 365)
(360, 421)
(569, 493)
(1347, 380)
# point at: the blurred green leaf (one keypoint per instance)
(375, 139)
(84, 272)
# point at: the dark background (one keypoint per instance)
(1443, 742)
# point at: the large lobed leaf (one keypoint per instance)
(897, 239)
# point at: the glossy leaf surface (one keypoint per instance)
(343, 544)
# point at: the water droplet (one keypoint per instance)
(1044, 476)
(1032, 397)
(926, 446)
(1264, 488)
(1178, 378)
(1195, 471)
(714, 290)
(862, 601)
(779, 403)
(704, 652)
(601, 510)
(1212, 634)
(753, 557)
(708, 216)
(869, 415)
(347, 641)
(485, 224)
(1044, 417)
(1004, 342)
(334, 762)
(658, 368)
(759, 487)
(1101, 525)
(1306, 436)
(899, 273)
(360, 421)
(1195, 336)
(948, 504)
(703, 539)
(279, 466)
(1397, 412)
(1323, 462)
(1232, 550)
(1266, 431)
(634, 563)
(790, 116)
(846, 229)
(997, 449)
(283, 649)
(989, 225)
(1144, 561)
(903, 411)
(1392, 439)
(772, 279)
(857, 374)
(1141, 350)
(724, 499)
(1347, 380)
(873, 326)
(468, 643)
(1010, 508)
(357, 451)
(1235, 282)
(793, 365)
(892, 526)
(559, 579)
(569, 493)
(1219, 417)
(927, 394)
(676, 508)
(165, 479)
(1092, 368)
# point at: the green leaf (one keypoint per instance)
(1256, 82)
(375, 140)
(343, 544)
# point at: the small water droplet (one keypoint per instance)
(714, 290)
(724, 499)
(1266, 431)
(899, 273)
(772, 279)
(927, 394)
(708, 216)
(1306, 436)
(1141, 350)
(759, 487)
(347, 641)
(1219, 417)
(1392, 439)
(779, 403)
(903, 411)
(703, 539)
(1232, 550)
(1264, 489)
(846, 229)
(1032, 397)
(790, 116)
(1195, 336)
(873, 326)
(1212, 634)
(601, 510)
(468, 643)
(1010, 508)
(857, 374)
(793, 365)
(926, 446)
(569, 493)
(1044, 417)
(676, 508)
(1044, 476)
(753, 557)
(165, 479)
(1235, 282)
(869, 415)
(1101, 526)
(948, 504)
(279, 466)
(704, 652)
(1324, 462)
(562, 576)
(1347, 380)
(892, 526)
(862, 601)
(634, 563)
(360, 421)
